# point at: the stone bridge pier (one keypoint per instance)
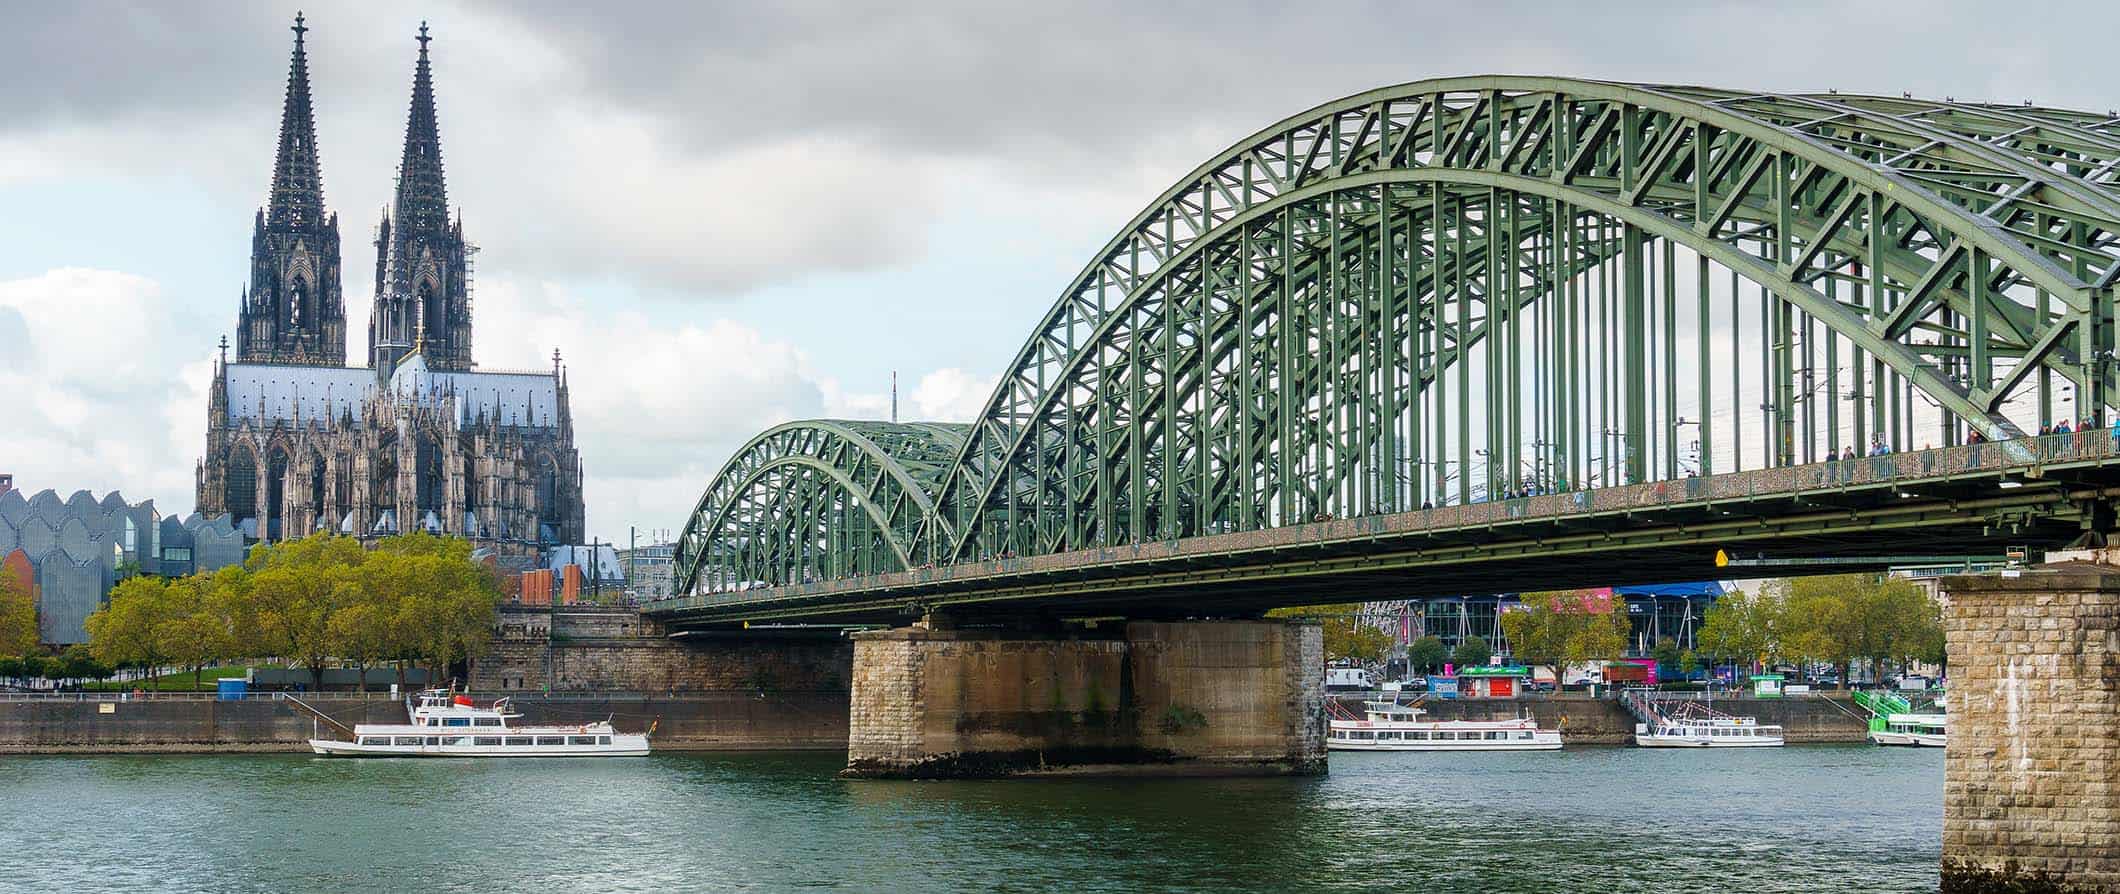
(1123, 698)
(2032, 771)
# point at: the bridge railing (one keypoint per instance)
(2090, 445)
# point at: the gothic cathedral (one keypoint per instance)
(417, 439)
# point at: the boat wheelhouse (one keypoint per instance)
(444, 724)
(1390, 726)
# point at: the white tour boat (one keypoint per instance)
(1390, 726)
(1693, 725)
(1917, 730)
(448, 725)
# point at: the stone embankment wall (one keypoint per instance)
(739, 690)
(747, 720)
(2031, 784)
(1199, 697)
(1811, 720)
(614, 649)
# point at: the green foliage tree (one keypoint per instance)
(1566, 627)
(452, 596)
(1473, 652)
(192, 634)
(1666, 652)
(1347, 638)
(1426, 655)
(294, 589)
(128, 630)
(1742, 628)
(78, 663)
(10, 667)
(316, 601)
(1844, 618)
(34, 666)
(18, 618)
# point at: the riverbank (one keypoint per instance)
(99, 723)
(103, 724)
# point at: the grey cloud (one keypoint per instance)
(662, 143)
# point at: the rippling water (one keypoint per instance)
(1586, 819)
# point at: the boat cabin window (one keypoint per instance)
(518, 740)
(603, 740)
(581, 740)
(409, 740)
(375, 740)
(487, 721)
(552, 740)
(486, 740)
(456, 721)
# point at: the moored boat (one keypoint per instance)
(1694, 725)
(1911, 730)
(1390, 726)
(444, 724)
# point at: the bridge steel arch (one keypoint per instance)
(1953, 249)
(813, 499)
(1452, 290)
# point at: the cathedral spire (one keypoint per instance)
(422, 200)
(291, 311)
(297, 181)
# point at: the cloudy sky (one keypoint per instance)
(731, 215)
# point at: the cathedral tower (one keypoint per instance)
(422, 274)
(293, 311)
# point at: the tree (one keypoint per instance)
(1425, 655)
(452, 596)
(79, 663)
(1473, 652)
(1844, 618)
(1567, 627)
(192, 633)
(1666, 652)
(128, 630)
(1742, 628)
(18, 617)
(295, 587)
(1347, 637)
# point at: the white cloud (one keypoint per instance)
(658, 408)
(97, 395)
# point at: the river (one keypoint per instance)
(1802, 818)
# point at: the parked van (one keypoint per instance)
(1343, 679)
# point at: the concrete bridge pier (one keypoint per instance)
(1124, 698)
(2032, 772)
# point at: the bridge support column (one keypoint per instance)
(1140, 698)
(2032, 772)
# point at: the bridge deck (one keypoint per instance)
(1973, 498)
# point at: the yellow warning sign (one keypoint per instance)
(1722, 559)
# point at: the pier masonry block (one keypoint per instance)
(1141, 698)
(2032, 771)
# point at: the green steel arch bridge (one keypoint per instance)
(1493, 333)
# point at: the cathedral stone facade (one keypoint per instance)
(417, 439)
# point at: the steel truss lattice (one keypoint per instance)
(1452, 290)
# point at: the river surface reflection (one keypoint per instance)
(1816, 818)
